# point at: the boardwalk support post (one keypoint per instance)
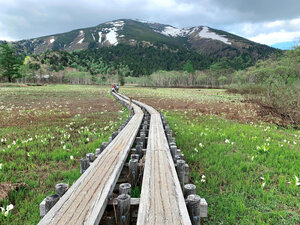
(50, 201)
(193, 205)
(84, 164)
(90, 157)
(103, 146)
(203, 208)
(186, 173)
(135, 156)
(125, 188)
(61, 189)
(189, 189)
(173, 149)
(114, 134)
(133, 170)
(123, 209)
(181, 172)
(139, 149)
(98, 152)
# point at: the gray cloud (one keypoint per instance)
(21, 19)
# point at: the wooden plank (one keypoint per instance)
(162, 200)
(86, 200)
(133, 201)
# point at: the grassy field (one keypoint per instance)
(246, 169)
(44, 133)
(250, 165)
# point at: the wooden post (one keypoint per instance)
(172, 139)
(61, 189)
(114, 134)
(173, 149)
(135, 156)
(123, 209)
(84, 164)
(98, 151)
(203, 208)
(139, 149)
(133, 151)
(189, 189)
(143, 136)
(193, 205)
(50, 201)
(186, 173)
(133, 171)
(177, 157)
(169, 137)
(90, 157)
(125, 188)
(103, 146)
(42, 208)
(130, 103)
(167, 128)
(180, 172)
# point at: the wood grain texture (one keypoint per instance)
(161, 200)
(86, 200)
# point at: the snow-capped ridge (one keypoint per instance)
(185, 32)
(144, 21)
(206, 33)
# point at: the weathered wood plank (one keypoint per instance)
(86, 200)
(162, 200)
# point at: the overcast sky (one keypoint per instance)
(263, 21)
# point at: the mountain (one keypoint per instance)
(202, 39)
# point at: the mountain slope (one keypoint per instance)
(202, 39)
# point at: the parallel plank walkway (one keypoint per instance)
(86, 200)
(161, 201)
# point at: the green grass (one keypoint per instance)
(42, 152)
(192, 94)
(247, 167)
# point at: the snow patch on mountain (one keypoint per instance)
(80, 41)
(100, 36)
(206, 33)
(111, 37)
(81, 32)
(175, 32)
(118, 23)
(172, 31)
(51, 40)
(93, 37)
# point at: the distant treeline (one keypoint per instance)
(138, 60)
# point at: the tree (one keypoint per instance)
(222, 80)
(9, 62)
(188, 67)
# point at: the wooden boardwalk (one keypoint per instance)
(86, 200)
(161, 201)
